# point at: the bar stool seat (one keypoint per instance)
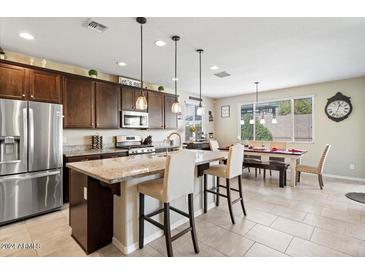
(217, 170)
(233, 169)
(178, 181)
(153, 188)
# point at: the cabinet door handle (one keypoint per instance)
(23, 95)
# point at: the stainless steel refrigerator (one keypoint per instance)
(30, 159)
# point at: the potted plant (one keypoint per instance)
(93, 73)
(161, 88)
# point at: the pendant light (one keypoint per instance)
(252, 121)
(2, 52)
(141, 103)
(274, 120)
(176, 108)
(200, 110)
(262, 119)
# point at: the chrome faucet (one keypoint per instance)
(170, 140)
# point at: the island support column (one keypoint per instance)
(125, 235)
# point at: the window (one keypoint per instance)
(303, 120)
(193, 122)
(285, 120)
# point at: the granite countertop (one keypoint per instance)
(83, 152)
(116, 170)
(74, 151)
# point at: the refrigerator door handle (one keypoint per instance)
(25, 135)
(28, 176)
(31, 137)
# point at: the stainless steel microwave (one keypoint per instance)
(134, 119)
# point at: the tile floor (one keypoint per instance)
(301, 221)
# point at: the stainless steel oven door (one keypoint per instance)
(134, 119)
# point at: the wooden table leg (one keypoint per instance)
(293, 166)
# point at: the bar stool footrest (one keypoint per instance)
(181, 233)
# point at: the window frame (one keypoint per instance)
(196, 103)
(292, 116)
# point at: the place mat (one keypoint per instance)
(356, 196)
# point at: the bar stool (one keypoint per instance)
(231, 170)
(178, 181)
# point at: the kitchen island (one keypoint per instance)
(104, 198)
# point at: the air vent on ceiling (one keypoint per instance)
(222, 74)
(95, 26)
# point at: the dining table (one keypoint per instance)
(291, 156)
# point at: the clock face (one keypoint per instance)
(338, 109)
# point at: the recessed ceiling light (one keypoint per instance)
(122, 64)
(160, 43)
(26, 35)
(214, 67)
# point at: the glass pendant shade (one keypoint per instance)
(262, 121)
(274, 121)
(252, 121)
(176, 108)
(200, 111)
(141, 103)
(242, 122)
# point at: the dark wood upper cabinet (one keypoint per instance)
(78, 103)
(170, 117)
(129, 98)
(45, 86)
(107, 104)
(155, 109)
(13, 82)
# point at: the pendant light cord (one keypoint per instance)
(200, 78)
(176, 69)
(142, 60)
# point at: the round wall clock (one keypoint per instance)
(338, 107)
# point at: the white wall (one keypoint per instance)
(347, 137)
(82, 136)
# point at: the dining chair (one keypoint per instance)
(318, 170)
(254, 157)
(277, 145)
(214, 145)
(228, 172)
(178, 181)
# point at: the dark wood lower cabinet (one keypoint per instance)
(66, 190)
(91, 212)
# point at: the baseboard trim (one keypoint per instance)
(133, 247)
(344, 177)
(357, 179)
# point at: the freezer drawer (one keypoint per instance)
(29, 194)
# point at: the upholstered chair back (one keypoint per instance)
(235, 160)
(213, 145)
(179, 175)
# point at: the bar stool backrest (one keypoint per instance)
(235, 160)
(179, 175)
(323, 158)
(213, 144)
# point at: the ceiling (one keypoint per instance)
(278, 52)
